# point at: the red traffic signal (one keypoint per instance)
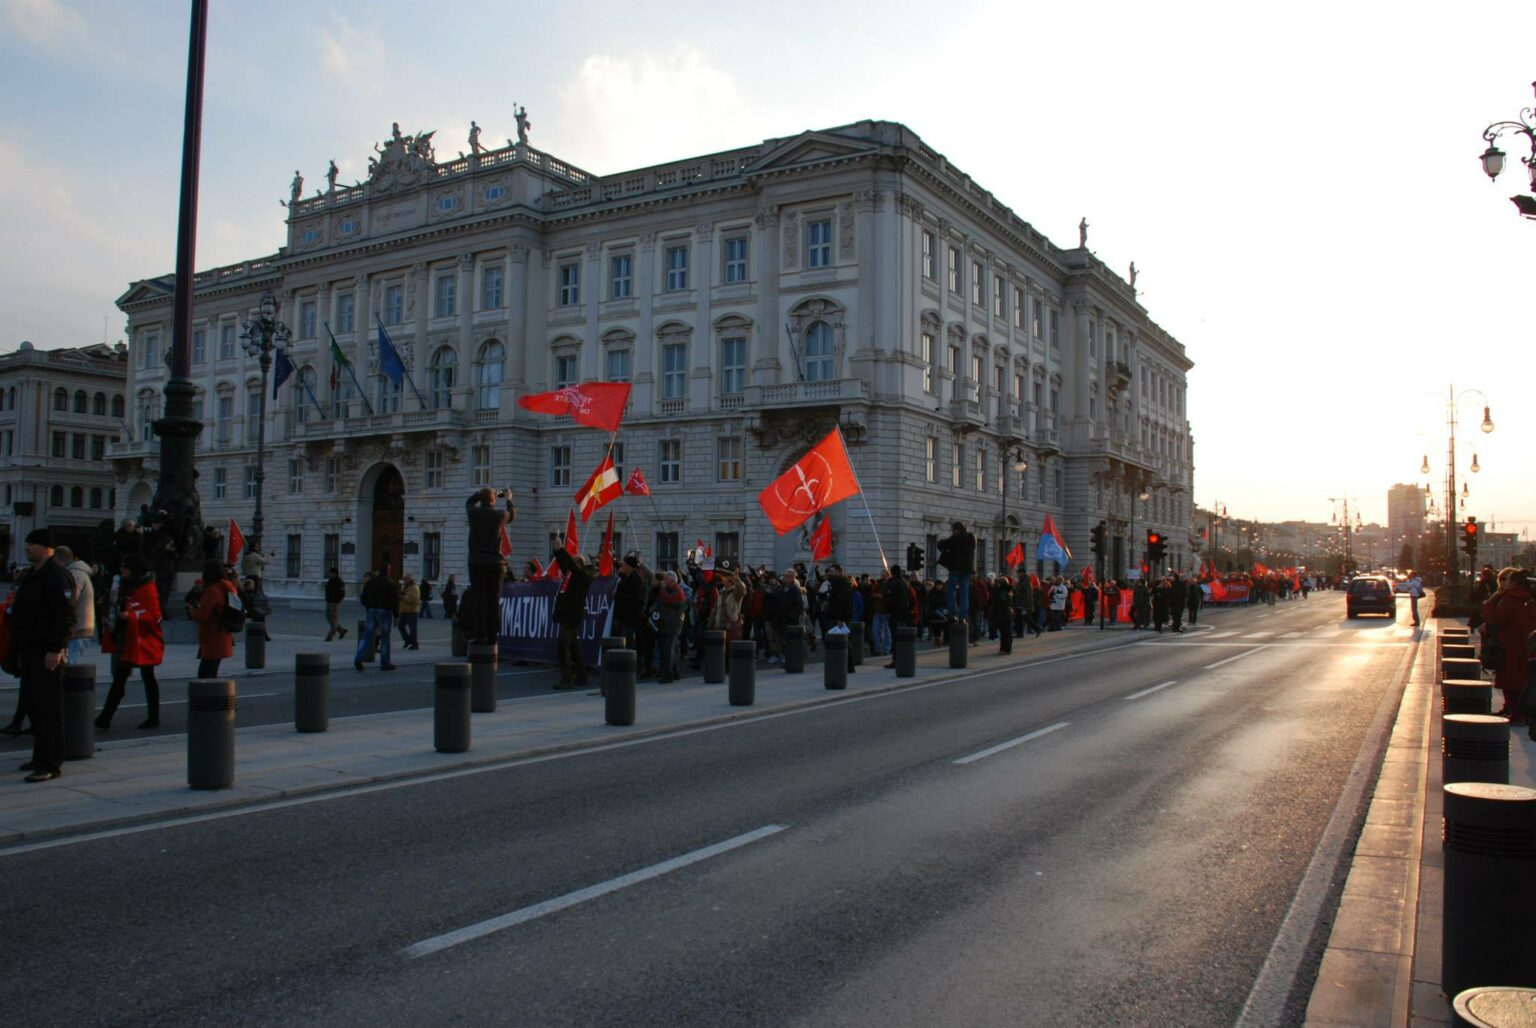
(1470, 528)
(1153, 538)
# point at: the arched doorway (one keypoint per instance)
(388, 520)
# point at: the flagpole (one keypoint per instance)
(312, 398)
(384, 338)
(350, 370)
(865, 500)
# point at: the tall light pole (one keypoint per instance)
(1145, 496)
(1493, 157)
(1349, 528)
(1453, 570)
(263, 334)
(1020, 465)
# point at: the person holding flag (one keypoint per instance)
(480, 614)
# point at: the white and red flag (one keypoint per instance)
(236, 542)
(821, 540)
(601, 488)
(635, 485)
(594, 404)
(822, 477)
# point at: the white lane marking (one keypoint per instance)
(1292, 635)
(1257, 635)
(1149, 692)
(1240, 656)
(438, 943)
(1011, 743)
(173, 703)
(1223, 635)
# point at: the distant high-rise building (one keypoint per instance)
(1405, 514)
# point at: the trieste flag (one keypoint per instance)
(594, 404)
(822, 477)
(636, 485)
(236, 542)
(821, 540)
(600, 488)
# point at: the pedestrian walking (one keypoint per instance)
(215, 642)
(410, 610)
(1001, 614)
(1162, 594)
(40, 624)
(335, 593)
(629, 595)
(481, 618)
(426, 600)
(450, 598)
(1058, 604)
(1193, 602)
(1141, 605)
(136, 640)
(1415, 586)
(381, 600)
(671, 604)
(1178, 599)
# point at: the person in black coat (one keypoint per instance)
(957, 554)
(40, 623)
(570, 608)
(335, 592)
(629, 599)
(839, 607)
(481, 616)
(1178, 597)
(1196, 597)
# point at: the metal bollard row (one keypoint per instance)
(619, 686)
(1490, 860)
(482, 678)
(450, 711)
(742, 690)
(211, 733)
(311, 692)
(1474, 748)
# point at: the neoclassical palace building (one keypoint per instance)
(754, 298)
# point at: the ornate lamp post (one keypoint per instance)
(263, 334)
(1452, 569)
(1020, 465)
(1349, 528)
(1493, 157)
(1145, 496)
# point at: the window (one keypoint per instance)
(570, 284)
(1055, 406)
(567, 370)
(1037, 319)
(394, 304)
(250, 481)
(1093, 339)
(999, 379)
(618, 467)
(490, 288)
(559, 466)
(226, 342)
(735, 269)
(953, 268)
(444, 294)
(333, 473)
(96, 498)
(82, 402)
(293, 564)
(1018, 307)
(818, 242)
(224, 418)
(220, 484)
(978, 375)
(148, 410)
(999, 296)
(254, 410)
(1018, 387)
(957, 465)
(295, 476)
(77, 447)
(733, 366)
(1061, 485)
(431, 556)
(98, 404)
(621, 277)
(99, 447)
(199, 348)
(674, 371)
(307, 319)
(981, 469)
(728, 547)
(677, 268)
(303, 389)
(931, 459)
(1055, 330)
(480, 464)
(440, 378)
(346, 311)
(488, 377)
(978, 285)
(56, 496)
(330, 551)
(77, 497)
(666, 551)
(118, 405)
(342, 391)
(818, 352)
(389, 395)
(61, 400)
(670, 458)
(930, 270)
(927, 358)
(60, 442)
(616, 365)
(149, 354)
(729, 448)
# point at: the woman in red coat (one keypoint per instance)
(1509, 616)
(214, 643)
(136, 640)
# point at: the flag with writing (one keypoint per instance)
(236, 542)
(636, 486)
(282, 371)
(605, 554)
(594, 404)
(821, 540)
(1051, 545)
(822, 477)
(601, 488)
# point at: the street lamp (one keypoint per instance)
(1486, 426)
(1020, 465)
(1493, 157)
(1145, 496)
(1348, 528)
(263, 334)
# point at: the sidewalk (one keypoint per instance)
(1382, 964)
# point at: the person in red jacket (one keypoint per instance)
(1509, 616)
(214, 642)
(136, 641)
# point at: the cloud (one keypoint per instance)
(355, 56)
(47, 25)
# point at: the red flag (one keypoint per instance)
(1260, 569)
(572, 541)
(594, 404)
(636, 485)
(553, 572)
(236, 542)
(600, 488)
(1087, 574)
(1015, 556)
(822, 477)
(506, 542)
(538, 569)
(605, 555)
(821, 540)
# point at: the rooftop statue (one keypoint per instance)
(402, 160)
(474, 138)
(523, 125)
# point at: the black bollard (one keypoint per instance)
(714, 657)
(211, 733)
(1490, 861)
(1461, 668)
(619, 687)
(743, 688)
(482, 678)
(1474, 748)
(311, 692)
(255, 644)
(450, 715)
(460, 644)
(1454, 633)
(606, 643)
(794, 649)
(1494, 1006)
(79, 711)
(1460, 651)
(904, 651)
(1466, 697)
(856, 642)
(959, 644)
(372, 649)
(834, 673)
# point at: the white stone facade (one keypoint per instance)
(754, 298)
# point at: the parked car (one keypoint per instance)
(1370, 594)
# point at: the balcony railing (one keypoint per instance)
(383, 424)
(966, 411)
(805, 394)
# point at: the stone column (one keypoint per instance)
(591, 296)
(1080, 365)
(644, 290)
(517, 315)
(772, 352)
(705, 359)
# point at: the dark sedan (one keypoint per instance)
(1371, 594)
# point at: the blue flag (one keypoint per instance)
(389, 358)
(1049, 549)
(284, 372)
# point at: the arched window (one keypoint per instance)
(117, 405)
(99, 405)
(488, 372)
(96, 498)
(818, 352)
(56, 496)
(81, 401)
(440, 379)
(61, 399)
(77, 497)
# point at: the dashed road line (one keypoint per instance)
(1000, 747)
(1240, 656)
(1149, 692)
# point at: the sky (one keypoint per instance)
(1298, 184)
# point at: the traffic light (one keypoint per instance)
(914, 557)
(1469, 537)
(1099, 547)
(1155, 546)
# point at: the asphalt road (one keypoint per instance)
(1072, 842)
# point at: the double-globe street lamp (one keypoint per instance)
(1452, 568)
(263, 334)
(1349, 527)
(1020, 465)
(1493, 157)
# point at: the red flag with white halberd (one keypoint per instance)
(605, 554)
(635, 485)
(601, 488)
(236, 542)
(822, 477)
(594, 404)
(821, 540)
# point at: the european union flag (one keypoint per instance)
(389, 358)
(284, 372)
